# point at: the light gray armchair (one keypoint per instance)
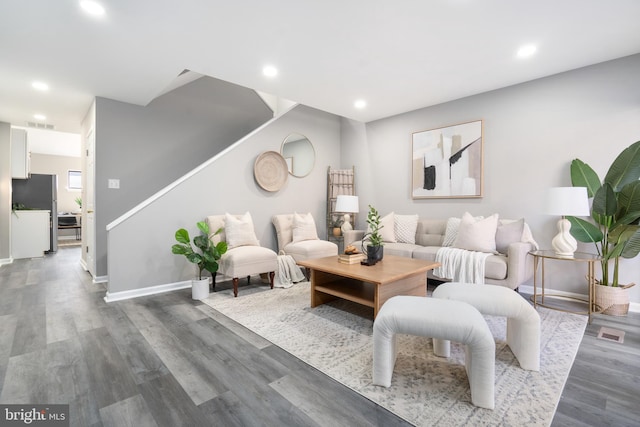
(245, 256)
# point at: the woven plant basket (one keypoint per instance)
(613, 300)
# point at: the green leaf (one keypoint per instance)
(204, 227)
(211, 266)
(625, 168)
(582, 175)
(194, 258)
(181, 249)
(604, 201)
(221, 248)
(584, 231)
(632, 248)
(202, 242)
(629, 203)
(182, 236)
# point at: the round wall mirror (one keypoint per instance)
(299, 154)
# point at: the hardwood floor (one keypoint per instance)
(167, 360)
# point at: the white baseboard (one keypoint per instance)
(4, 261)
(633, 306)
(100, 279)
(151, 290)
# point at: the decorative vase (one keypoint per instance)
(337, 232)
(374, 254)
(613, 301)
(200, 288)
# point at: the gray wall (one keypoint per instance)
(147, 148)
(5, 191)
(140, 246)
(532, 132)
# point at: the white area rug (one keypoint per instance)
(426, 390)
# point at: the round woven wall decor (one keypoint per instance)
(270, 171)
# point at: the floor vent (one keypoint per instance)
(611, 335)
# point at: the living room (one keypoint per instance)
(532, 130)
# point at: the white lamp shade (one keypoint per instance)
(346, 203)
(567, 201)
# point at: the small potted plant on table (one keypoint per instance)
(372, 240)
(207, 259)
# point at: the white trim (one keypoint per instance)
(101, 279)
(193, 172)
(5, 261)
(150, 290)
(633, 306)
(83, 264)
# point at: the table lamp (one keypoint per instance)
(565, 201)
(347, 205)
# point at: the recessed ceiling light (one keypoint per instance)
(40, 117)
(40, 86)
(92, 7)
(270, 71)
(526, 51)
(360, 103)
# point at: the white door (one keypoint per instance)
(88, 206)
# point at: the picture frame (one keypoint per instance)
(448, 162)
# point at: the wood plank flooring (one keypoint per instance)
(167, 360)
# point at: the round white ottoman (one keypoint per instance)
(523, 321)
(442, 319)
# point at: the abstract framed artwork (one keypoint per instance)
(447, 162)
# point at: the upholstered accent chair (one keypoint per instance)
(298, 237)
(245, 256)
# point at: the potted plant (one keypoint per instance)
(335, 227)
(372, 240)
(78, 201)
(615, 230)
(206, 259)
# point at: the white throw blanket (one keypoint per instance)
(461, 265)
(288, 272)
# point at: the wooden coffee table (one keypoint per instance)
(367, 285)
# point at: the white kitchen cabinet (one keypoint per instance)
(20, 154)
(30, 233)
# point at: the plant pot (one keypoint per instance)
(374, 254)
(337, 232)
(200, 288)
(613, 301)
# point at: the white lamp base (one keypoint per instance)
(346, 225)
(564, 244)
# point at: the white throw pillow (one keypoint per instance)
(388, 228)
(304, 228)
(508, 232)
(239, 231)
(451, 231)
(477, 235)
(405, 228)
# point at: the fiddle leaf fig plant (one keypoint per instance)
(615, 210)
(209, 255)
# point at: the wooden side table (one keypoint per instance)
(590, 259)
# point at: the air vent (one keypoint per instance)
(41, 125)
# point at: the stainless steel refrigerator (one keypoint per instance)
(39, 192)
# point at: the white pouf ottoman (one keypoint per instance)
(523, 321)
(442, 319)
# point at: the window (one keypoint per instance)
(74, 180)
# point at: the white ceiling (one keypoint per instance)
(397, 55)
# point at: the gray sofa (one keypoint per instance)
(511, 268)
